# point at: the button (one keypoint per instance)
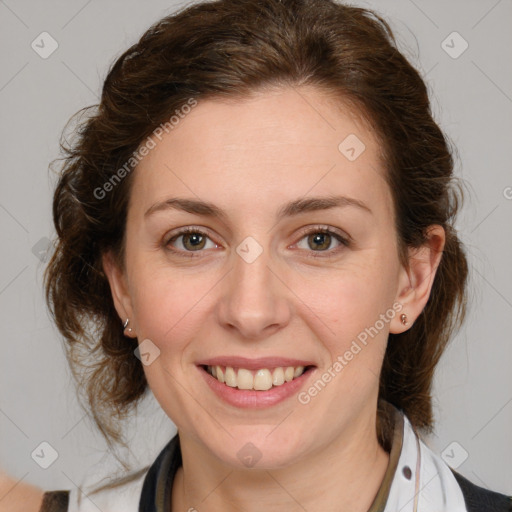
(406, 470)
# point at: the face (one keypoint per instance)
(264, 271)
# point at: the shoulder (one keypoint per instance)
(441, 488)
(479, 499)
(122, 494)
(16, 495)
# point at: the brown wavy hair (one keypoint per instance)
(228, 49)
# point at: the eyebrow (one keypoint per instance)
(296, 207)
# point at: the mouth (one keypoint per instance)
(262, 379)
(255, 382)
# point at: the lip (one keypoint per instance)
(253, 363)
(252, 399)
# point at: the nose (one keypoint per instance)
(255, 301)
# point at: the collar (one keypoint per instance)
(416, 480)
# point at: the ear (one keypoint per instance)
(119, 289)
(415, 283)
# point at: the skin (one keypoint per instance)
(249, 157)
(16, 496)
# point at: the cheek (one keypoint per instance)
(170, 310)
(165, 304)
(174, 308)
(351, 297)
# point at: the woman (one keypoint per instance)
(256, 225)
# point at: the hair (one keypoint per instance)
(232, 49)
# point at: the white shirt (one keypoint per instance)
(421, 482)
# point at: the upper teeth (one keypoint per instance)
(262, 380)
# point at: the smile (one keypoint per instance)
(262, 379)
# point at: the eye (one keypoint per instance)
(314, 240)
(322, 239)
(190, 239)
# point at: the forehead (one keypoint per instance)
(274, 146)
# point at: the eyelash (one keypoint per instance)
(344, 241)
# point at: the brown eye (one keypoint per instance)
(319, 241)
(193, 241)
(322, 240)
(190, 240)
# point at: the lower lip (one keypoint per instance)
(251, 399)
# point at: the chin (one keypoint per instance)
(261, 447)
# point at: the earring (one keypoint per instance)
(125, 325)
(403, 318)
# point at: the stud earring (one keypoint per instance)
(125, 325)
(403, 318)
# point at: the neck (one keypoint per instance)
(344, 475)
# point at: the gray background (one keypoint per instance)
(472, 101)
